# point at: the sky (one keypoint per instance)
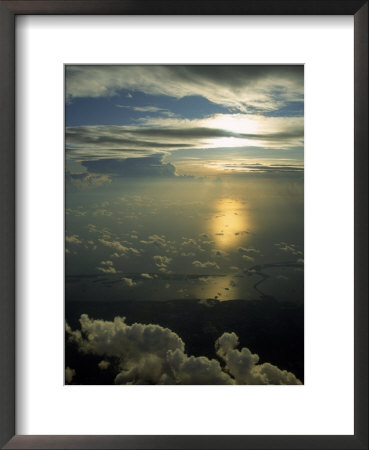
(183, 183)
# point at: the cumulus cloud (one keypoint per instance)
(75, 212)
(73, 239)
(129, 282)
(107, 267)
(289, 248)
(162, 262)
(119, 248)
(102, 212)
(205, 265)
(243, 365)
(248, 250)
(87, 180)
(196, 370)
(248, 258)
(141, 349)
(146, 276)
(69, 374)
(151, 354)
(220, 253)
(156, 240)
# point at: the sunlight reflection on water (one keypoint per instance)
(229, 223)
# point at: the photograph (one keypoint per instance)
(184, 224)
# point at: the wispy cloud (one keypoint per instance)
(243, 87)
(147, 109)
(157, 135)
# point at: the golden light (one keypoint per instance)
(220, 288)
(229, 223)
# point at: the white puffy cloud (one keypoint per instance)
(196, 370)
(151, 354)
(141, 349)
(243, 365)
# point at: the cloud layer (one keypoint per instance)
(161, 135)
(151, 354)
(241, 87)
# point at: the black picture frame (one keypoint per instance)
(8, 12)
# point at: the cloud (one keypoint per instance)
(248, 250)
(241, 87)
(162, 262)
(86, 180)
(257, 168)
(220, 253)
(158, 241)
(129, 282)
(103, 365)
(107, 267)
(102, 212)
(146, 276)
(206, 264)
(152, 166)
(74, 239)
(92, 228)
(196, 370)
(69, 375)
(75, 212)
(119, 248)
(289, 248)
(147, 109)
(151, 354)
(141, 349)
(243, 365)
(159, 135)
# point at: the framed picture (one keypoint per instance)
(190, 224)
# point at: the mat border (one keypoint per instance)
(8, 11)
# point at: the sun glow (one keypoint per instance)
(235, 123)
